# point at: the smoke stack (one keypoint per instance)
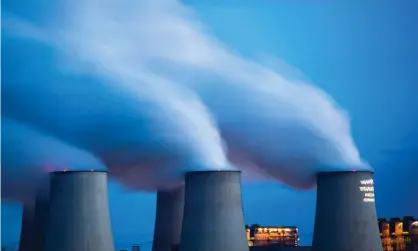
(346, 213)
(34, 222)
(168, 219)
(79, 212)
(213, 218)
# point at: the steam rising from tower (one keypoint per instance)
(79, 213)
(345, 213)
(171, 104)
(168, 220)
(213, 217)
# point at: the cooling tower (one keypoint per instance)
(213, 218)
(168, 219)
(346, 213)
(79, 212)
(26, 232)
(34, 223)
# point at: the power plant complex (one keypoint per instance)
(205, 214)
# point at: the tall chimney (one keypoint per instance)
(79, 212)
(213, 217)
(168, 219)
(34, 221)
(346, 213)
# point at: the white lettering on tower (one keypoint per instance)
(366, 187)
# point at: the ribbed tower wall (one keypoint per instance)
(346, 213)
(168, 219)
(79, 212)
(213, 216)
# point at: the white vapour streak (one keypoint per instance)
(177, 117)
(289, 128)
(285, 126)
(29, 155)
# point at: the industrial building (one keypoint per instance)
(345, 218)
(213, 216)
(79, 212)
(279, 247)
(206, 214)
(286, 236)
(399, 234)
(413, 246)
(168, 219)
(396, 235)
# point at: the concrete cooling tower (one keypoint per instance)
(79, 212)
(346, 213)
(26, 232)
(213, 217)
(168, 219)
(34, 223)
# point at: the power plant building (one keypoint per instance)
(399, 234)
(345, 217)
(213, 216)
(268, 235)
(79, 212)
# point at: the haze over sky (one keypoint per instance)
(363, 53)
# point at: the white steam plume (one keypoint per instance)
(285, 128)
(146, 129)
(29, 155)
(288, 128)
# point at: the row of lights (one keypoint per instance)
(66, 170)
(275, 229)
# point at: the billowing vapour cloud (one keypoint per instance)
(163, 78)
(147, 130)
(29, 155)
(288, 128)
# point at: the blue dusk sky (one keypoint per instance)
(362, 53)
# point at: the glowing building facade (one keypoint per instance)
(399, 234)
(267, 235)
